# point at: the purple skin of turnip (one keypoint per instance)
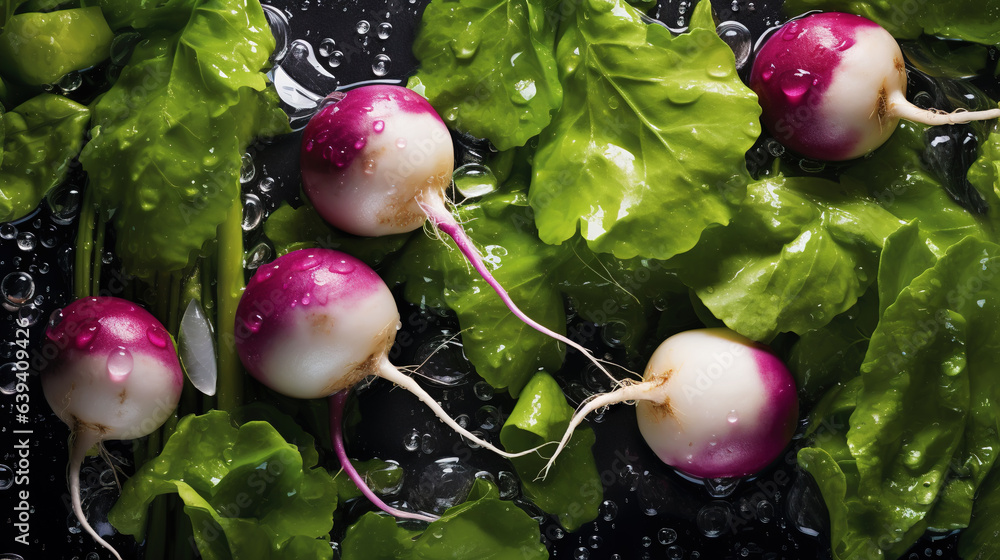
(115, 376)
(712, 404)
(313, 324)
(832, 87)
(377, 160)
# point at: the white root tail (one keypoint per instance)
(389, 372)
(81, 442)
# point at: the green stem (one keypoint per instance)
(208, 304)
(228, 291)
(84, 247)
(100, 227)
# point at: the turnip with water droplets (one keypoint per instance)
(712, 404)
(115, 376)
(313, 324)
(833, 87)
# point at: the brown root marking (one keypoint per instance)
(79, 426)
(661, 410)
(122, 396)
(367, 367)
(898, 65)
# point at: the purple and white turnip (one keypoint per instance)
(115, 376)
(832, 87)
(313, 324)
(377, 160)
(712, 404)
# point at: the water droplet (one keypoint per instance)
(266, 184)
(299, 51)
(508, 485)
(401, 142)
(795, 84)
(253, 212)
(581, 553)
(26, 241)
(411, 442)
(258, 256)
(88, 331)
(247, 169)
(336, 59)
(8, 231)
(70, 82)
(791, 31)
(17, 288)
(713, 518)
(483, 390)
(254, 322)
(733, 417)
(666, 535)
(735, 6)
(378, 126)
(489, 419)
(381, 65)
(675, 553)
(6, 477)
(442, 484)
(8, 378)
(765, 511)
(327, 47)
(739, 39)
(362, 27)
(342, 266)
(157, 336)
(384, 30)
(122, 46)
(473, 179)
(609, 510)
(120, 363)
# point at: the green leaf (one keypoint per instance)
(922, 435)
(488, 66)
(648, 148)
(800, 251)
(484, 527)
(971, 20)
(979, 541)
(248, 492)
(39, 48)
(170, 134)
(896, 178)
(572, 491)
(40, 138)
(834, 353)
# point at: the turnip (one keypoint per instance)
(115, 376)
(313, 324)
(712, 404)
(377, 160)
(833, 87)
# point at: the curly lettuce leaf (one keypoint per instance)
(979, 541)
(169, 135)
(800, 251)
(971, 20)
(488, 66)
(648, 148)
(38, 140)
(572, 490)
(483, 527)
(39, 48)
(248, 492)
(922, 435)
